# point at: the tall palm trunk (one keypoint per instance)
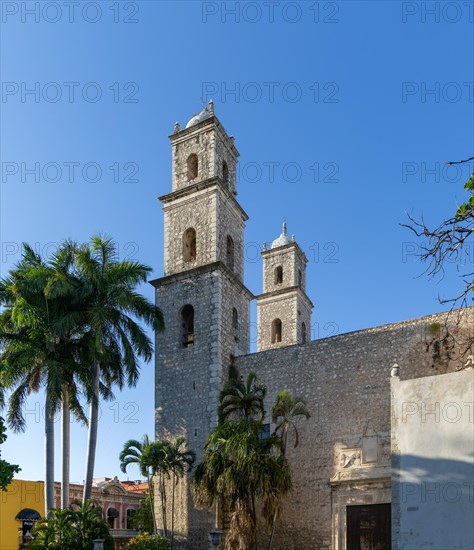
(172, 511)
(92, 437)
(283, 451)
(65, 448)
(273, 531)
(254, 521)
(151, 493)
(49, 457)
(163, 504)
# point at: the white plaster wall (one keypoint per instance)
(432, 461)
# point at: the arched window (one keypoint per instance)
(187, 326)
(276, 331)
(303, 333)
(189, 245)
(235, 319)
(230, 252)
(225, 173)
(112, 514)
(300, 278)
(278, 275)
(130, 513)
(28, 518)
(193, 166)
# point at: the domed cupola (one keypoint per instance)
(282, 240)
(203, 115)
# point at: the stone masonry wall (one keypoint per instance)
(346, 382)
(196, 211)
(225, 152)
(199, 143)
(291, 260)
(230, 222)
(188, 380)
(212, 146)
(292, 308)
(213, 217)
(283, 307)
(184, 381)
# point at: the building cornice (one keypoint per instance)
(200, 270)
(281, 292)
(210, 183)
(284, 248)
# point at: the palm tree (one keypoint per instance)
(137, 452)
(179, 461)
(73, 527)
(240, 469)
(239, 399)
(284, 413)
(156, 456)
(118, 341)
(36, 344)
(65, 288)
(55, 531)
(89, 525)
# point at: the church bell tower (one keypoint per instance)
(205, 305)
(283, 309)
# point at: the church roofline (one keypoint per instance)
(180, 275)
(434, 317)
(287, 290)
(199, 186)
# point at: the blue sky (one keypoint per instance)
(343, 112)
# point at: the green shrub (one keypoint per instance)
(75, 528)
(148, 542)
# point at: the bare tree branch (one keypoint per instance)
(451, 242)
(460, 161)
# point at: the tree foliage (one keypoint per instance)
(74, 527)
(142, 519)
(449, 243)
(148, 542)
(7, 471)
(452, 242)
(159, 461)
(239, 398)
(244, 473)
(112, 313)
(72, 325)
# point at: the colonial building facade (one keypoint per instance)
(342, 495)
(22, 504)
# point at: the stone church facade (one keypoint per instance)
(342, 466)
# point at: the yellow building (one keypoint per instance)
(20, 506)
(23, 504)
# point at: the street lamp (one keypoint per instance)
(215, 539)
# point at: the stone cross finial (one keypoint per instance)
(177, 127)
(284, 228)
(211, 107)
